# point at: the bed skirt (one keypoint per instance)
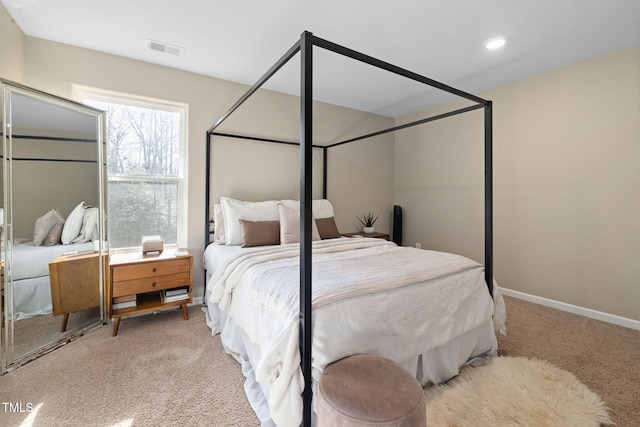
(435, 366)
(31, 297)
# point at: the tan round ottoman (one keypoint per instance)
(366, 390)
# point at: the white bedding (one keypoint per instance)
(33, 261)
(32, 297)
(369, 296)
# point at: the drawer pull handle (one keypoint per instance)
(154, 269)
(153, 284)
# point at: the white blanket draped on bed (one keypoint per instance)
(369, 296)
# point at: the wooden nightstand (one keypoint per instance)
(142, 282)
(75, 283)
(384, 236)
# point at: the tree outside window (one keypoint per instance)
(145, 169)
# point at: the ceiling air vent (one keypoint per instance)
(165, 48)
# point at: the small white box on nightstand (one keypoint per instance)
(152, 244)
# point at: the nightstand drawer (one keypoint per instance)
(150, 269)
(150, 284)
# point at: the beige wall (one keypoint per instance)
(66, 183)
(567, 178)
(241, 169)
(566, 164)
(11, 48)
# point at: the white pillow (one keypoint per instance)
(235, 210)
(321, 208)
(218, 225)
(44, 225)
(89, 229)
(73, 225)
(290, 225)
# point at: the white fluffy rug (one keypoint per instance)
(514, 391)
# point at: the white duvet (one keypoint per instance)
(369, 296)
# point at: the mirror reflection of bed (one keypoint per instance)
(51, 218)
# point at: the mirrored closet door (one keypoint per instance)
(52, 222)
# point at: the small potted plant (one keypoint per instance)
(367, 220)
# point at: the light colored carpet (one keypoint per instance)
(159, 371)
(514, 391)
(38, 331)
(164, 371)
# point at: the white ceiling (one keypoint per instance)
(239, 40)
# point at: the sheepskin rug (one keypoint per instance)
(514, 391)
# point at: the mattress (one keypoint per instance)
(429, 311)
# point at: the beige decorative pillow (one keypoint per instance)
(53, 237)
(259, 233)
(327, 228)
(290, 225)
(43, 225)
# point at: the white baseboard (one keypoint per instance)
(196, 301)
(582, 311)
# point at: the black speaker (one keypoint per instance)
(397, 225)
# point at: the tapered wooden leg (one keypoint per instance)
(65, 319)
(185, 313)
(116, 325)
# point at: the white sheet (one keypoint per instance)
(33, 261)
(216, 253)
(248, 284)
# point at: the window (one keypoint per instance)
(146, 168)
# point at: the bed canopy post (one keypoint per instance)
(207, 201)
(324, 171)
(488, 195)
(306, 175)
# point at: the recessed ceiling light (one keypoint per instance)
(495, 43)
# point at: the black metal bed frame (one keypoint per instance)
(305, 47)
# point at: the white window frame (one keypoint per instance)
(84, 94)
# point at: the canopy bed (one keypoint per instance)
(377, 305)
